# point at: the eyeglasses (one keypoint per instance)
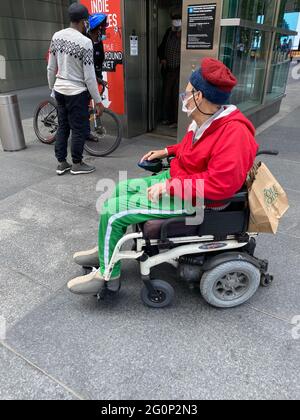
(189, 94)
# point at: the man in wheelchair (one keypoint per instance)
(219, 148)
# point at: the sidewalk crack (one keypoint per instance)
(270, 315)
(31, 189)
(42, 371)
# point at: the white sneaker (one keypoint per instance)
(90, 284)
(87, 258)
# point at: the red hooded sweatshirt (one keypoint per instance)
(222, 157)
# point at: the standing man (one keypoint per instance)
(71, 74)
(169, 54)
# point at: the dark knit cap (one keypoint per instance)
(214, 80)
(78, 12)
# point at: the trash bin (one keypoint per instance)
(11, 129)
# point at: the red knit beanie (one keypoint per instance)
(214, 80)
(216, 73)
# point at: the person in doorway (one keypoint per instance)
(169, 53)
(219, 149)
(71, 74)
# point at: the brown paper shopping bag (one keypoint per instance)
(267, 200)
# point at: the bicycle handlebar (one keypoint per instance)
(103, 85)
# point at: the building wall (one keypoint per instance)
(26, 28)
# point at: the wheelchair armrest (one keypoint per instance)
(237, 198)
(156, 166)
(240, 197)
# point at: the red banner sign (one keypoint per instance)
(114, 54)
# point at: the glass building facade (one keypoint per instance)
(256, 39)
(26, 28)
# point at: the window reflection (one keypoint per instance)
(245, 52)
(259, 11)
(289, 14)
(279, 71)
(259, 57)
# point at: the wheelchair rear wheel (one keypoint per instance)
(164, 295)
(230, 284)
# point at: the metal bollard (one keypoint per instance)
(11, 129)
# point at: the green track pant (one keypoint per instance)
(129, 205)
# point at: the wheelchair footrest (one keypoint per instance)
(129, 255)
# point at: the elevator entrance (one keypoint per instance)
(164, 56)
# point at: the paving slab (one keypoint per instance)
(36, 155)
(283, 136)
(282, 299)
(15, 176)
(39, 235)
(20, 381)
(286, 171)
(19, 295)
(290, 223)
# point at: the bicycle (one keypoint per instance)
(106, 129)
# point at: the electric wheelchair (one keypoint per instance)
(217, 254)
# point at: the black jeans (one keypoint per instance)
(73, 115)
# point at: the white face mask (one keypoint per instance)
(177, 23)
(185, 108)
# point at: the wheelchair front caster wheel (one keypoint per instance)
(162, 297)
(266, 280)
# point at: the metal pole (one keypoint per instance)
(11, 129)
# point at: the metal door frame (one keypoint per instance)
(152, 46)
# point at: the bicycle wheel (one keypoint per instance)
(108, 132)
(45, 121)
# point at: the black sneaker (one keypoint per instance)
(63, 167)
(82, 168)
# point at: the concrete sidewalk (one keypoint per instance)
(59, 346)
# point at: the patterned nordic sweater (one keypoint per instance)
(71, 58)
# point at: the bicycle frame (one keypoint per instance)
(50, 123)
(101, 91)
